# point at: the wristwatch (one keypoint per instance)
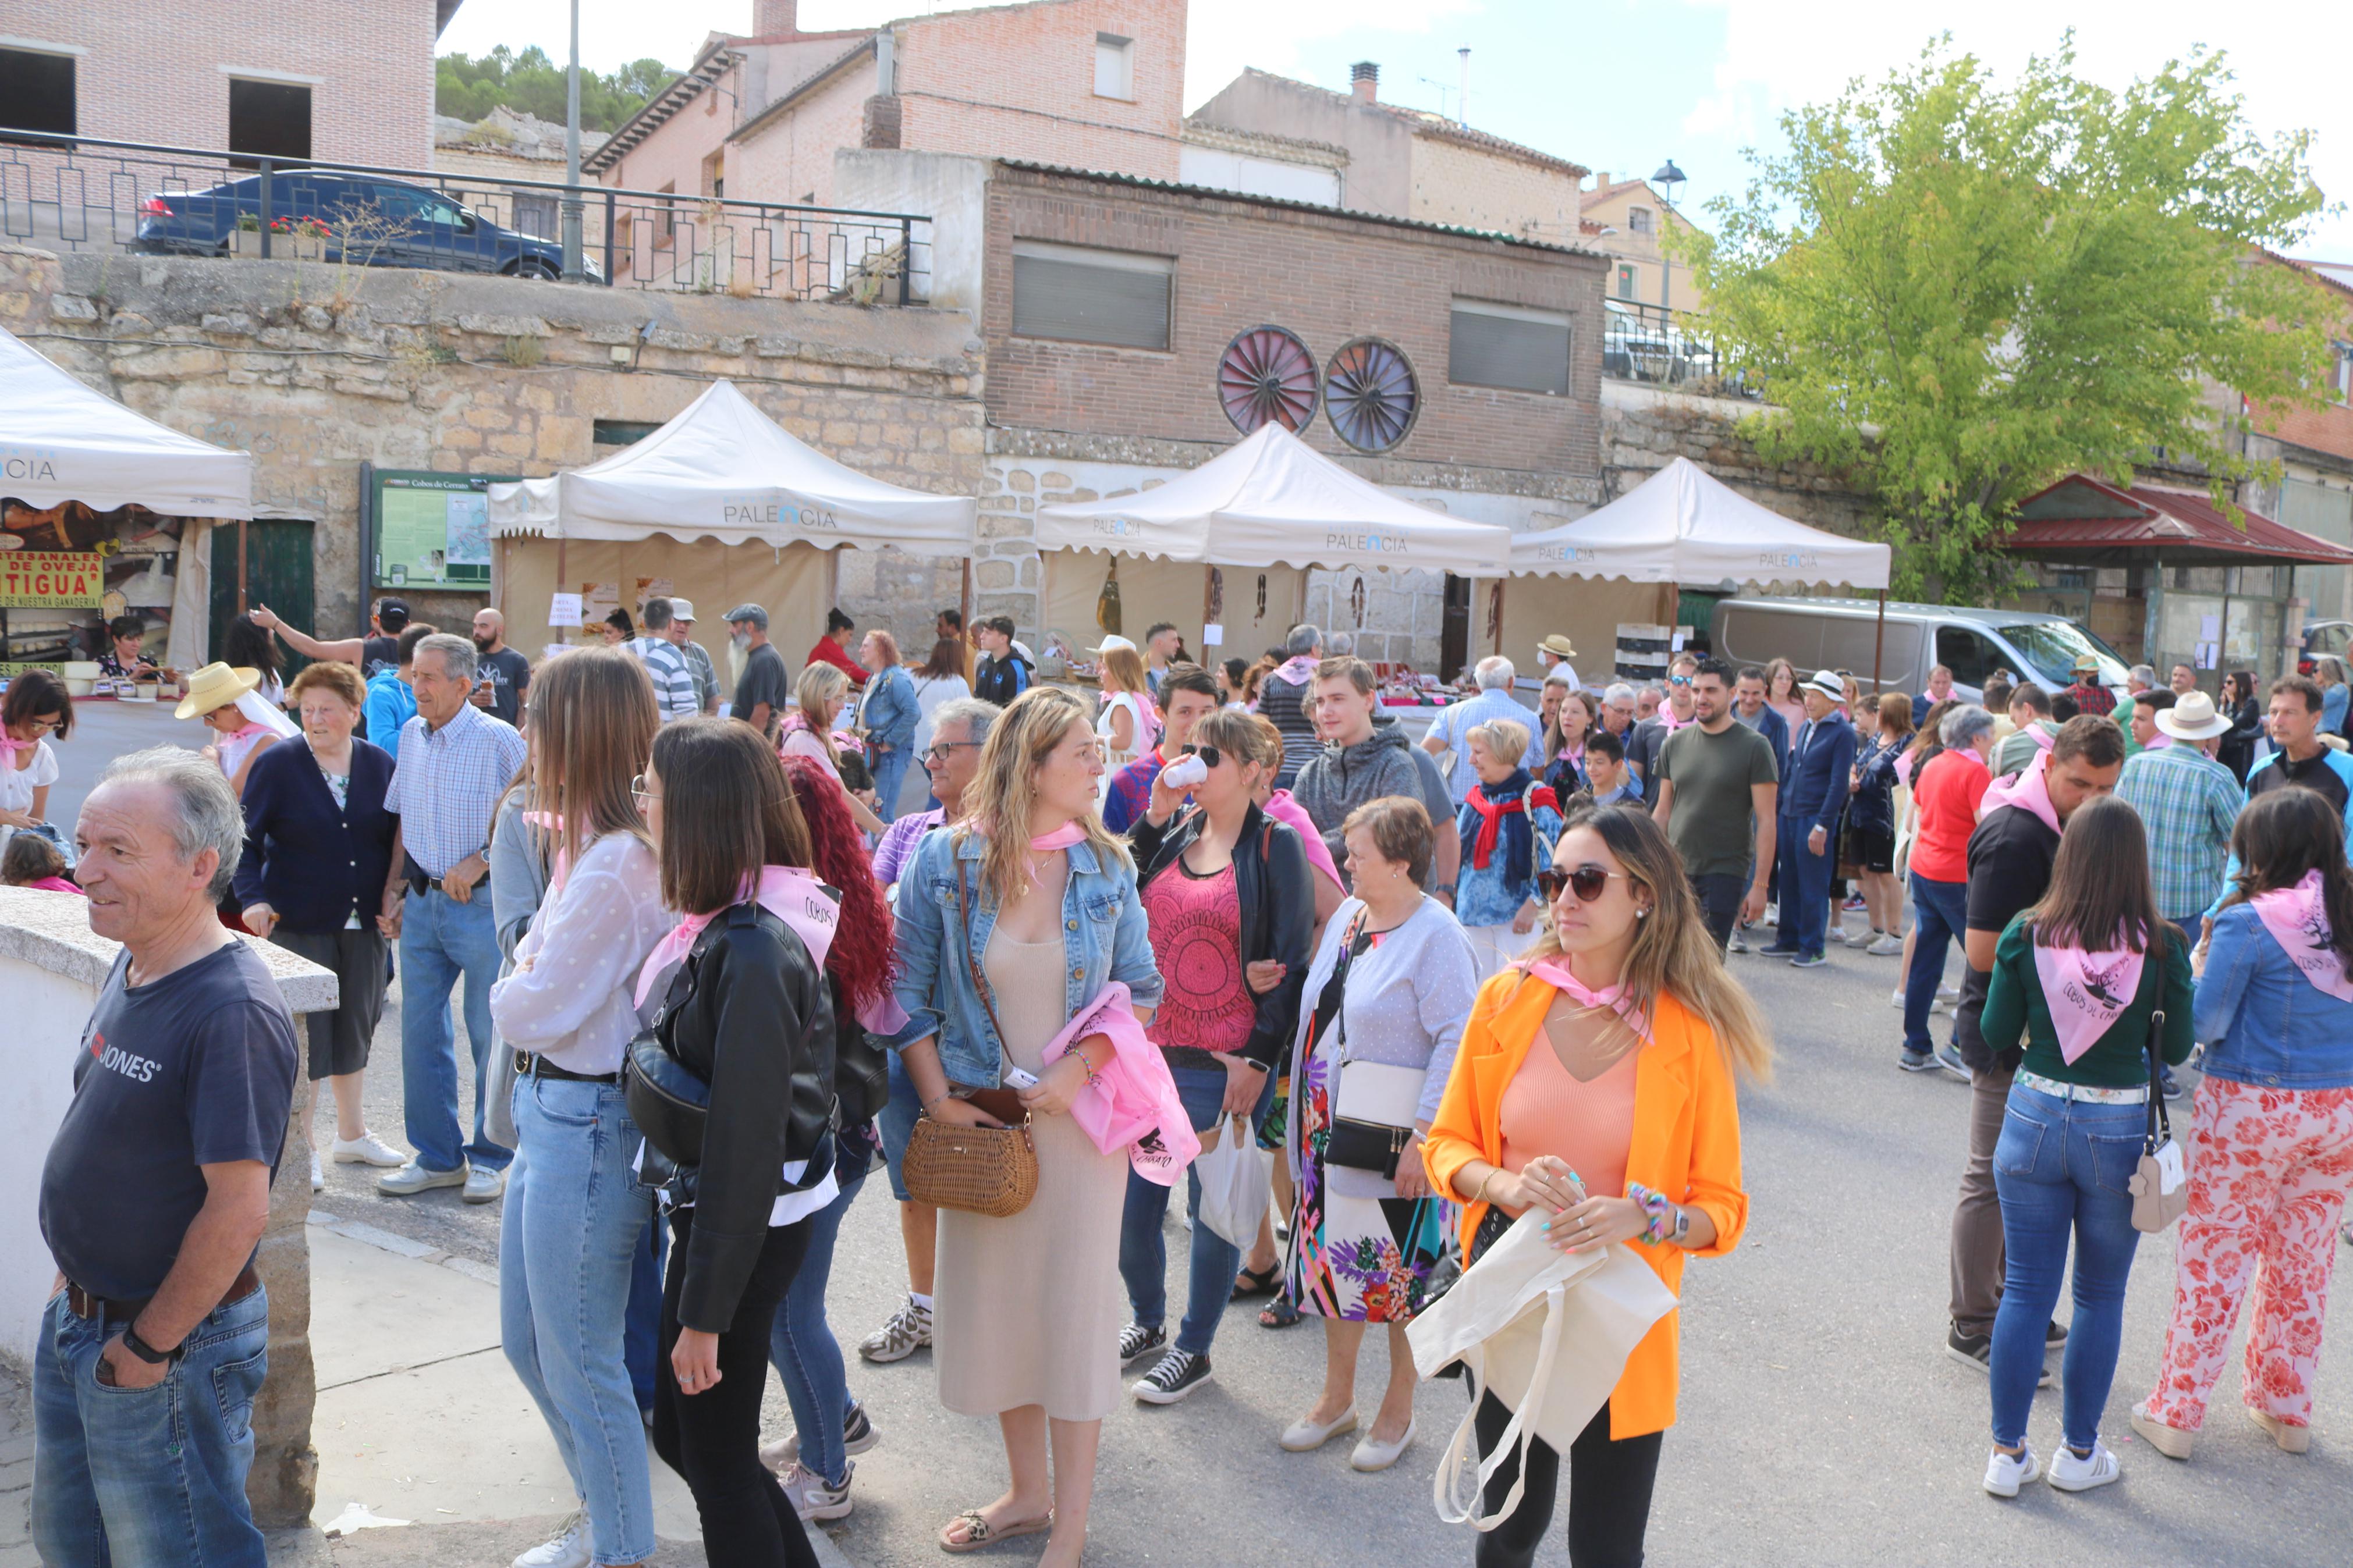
(147, 1352)
(1444, 890)
(1682, 1232)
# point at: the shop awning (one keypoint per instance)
(2098, 523)
(59, 441)
(722, 469)
(1270, 499)
(1680, 525)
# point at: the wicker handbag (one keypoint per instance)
(989, 1170)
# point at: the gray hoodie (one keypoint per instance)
(1346, 777)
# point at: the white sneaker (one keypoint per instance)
(812, 1498)
(1896, 1001)
(2070, 1472)
(367, 1149)
(2004, 1473)
(483, 1186)
(1888, 945)
(569, 1549)
(1950, 995)
(413, 1178)
(908, 1330)
(318, 1174)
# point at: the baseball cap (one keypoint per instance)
(392, 614)
(680, 609)
(752, 613)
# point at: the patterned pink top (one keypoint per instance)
(1196, 925)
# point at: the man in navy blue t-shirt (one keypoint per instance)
(155, 1193)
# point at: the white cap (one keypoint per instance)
(680, 609)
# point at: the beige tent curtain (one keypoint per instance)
(187, 644)
(795, 584)
(1588, 609)
(1152, 590)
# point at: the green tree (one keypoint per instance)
(1958, 291)
(531, 83)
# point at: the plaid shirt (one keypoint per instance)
(1130, 791)
(2188, 801)
(447, 782)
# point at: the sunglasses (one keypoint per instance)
(1679, 680)
(1587, 882)
(1210, 756)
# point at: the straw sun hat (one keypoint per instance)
(216, 686)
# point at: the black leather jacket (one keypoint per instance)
(759, 1028)
(1276, 892)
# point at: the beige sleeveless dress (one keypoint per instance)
(1027, 1310)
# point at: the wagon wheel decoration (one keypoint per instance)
(1371, 395)
(1267, 376)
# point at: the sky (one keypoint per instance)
(1624, 85)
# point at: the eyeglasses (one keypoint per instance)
(640, 794)
(940, 749)
(1210, 756)
(1587, 882)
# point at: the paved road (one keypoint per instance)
(1821, 1421)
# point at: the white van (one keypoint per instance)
(1839, 634)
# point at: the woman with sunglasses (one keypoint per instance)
(1595, 1084)
(35, 708)
(1224, 886)
(1391, 985)
(575, 1220)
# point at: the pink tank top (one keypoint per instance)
(1197, 923)
(1547, 1112)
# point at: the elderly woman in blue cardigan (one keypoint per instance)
(317, 854)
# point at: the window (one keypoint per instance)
(1114, 66)
(1114, 296)
(621, 432)
(268, 119)
(2345, 372)
(1638, 220)
(1970, 655)
(1508, 346)
(1628, 281)
(715, 174)
(36, 91)
(666, 218)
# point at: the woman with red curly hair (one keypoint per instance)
(814, 1463)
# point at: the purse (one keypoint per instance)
(2160, 1183)
(990, 1170)
(1375, 1104)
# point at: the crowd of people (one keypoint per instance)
(721, 954)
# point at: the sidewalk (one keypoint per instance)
(429, 1451)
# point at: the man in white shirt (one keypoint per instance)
(1451, 731)
(1554, 654)
(698, 659)
(673, 680)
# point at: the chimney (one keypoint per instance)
(772, 18)
(1600, 179)
(1365, 80)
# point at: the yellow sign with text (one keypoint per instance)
(47, 580)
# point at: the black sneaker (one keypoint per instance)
(1976, 1351)
(1179, 1374)
(1777, 950)
(2054, 1337)
(2172, 1085)
(1137, 1342)
(1917, 1062)
(858, 1434)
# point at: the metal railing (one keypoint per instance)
(86, 193)
(1654, 344)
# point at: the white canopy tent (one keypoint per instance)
(1681, 526)
(61, 441)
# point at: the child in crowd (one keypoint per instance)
(32, 861)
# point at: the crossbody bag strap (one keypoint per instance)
(972, 964)
(2160, 1126)
(1335, 989)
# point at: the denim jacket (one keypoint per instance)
(891, 709)
(2265, 1024)
(1105, 937)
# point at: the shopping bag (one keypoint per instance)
(1237, 1177)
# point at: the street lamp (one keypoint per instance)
(1670, 176)
(572, 210)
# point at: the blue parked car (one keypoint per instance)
(373, 222)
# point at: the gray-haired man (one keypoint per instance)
(156, 1190)
(455, 760)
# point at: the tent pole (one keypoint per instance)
(1878, 643)
(964, 608)
(241, 530)
(1502, 584)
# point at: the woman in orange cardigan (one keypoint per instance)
(1595, 1082)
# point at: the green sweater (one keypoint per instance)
(2014, 1007)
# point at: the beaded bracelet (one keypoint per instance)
(1658, 1213)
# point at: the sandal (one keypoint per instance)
(980, 1533)
(1254, 1282)
(1279, 1313)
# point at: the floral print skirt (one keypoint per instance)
(1360, 1259)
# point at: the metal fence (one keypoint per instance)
(1664, 347)
(83, 194)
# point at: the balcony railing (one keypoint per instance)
(83, 194)
(1662, 347)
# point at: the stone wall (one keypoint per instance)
(1643, 428)
(315, 367)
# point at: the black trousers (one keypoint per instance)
(713, 1439)
(1719, 894)
(1608, 1494)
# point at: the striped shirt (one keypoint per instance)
(448, 781)
(2188, 802)
(673, 682)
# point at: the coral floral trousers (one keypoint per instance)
(2269, 1172)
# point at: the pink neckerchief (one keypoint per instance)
(2041, 737)
(1062, 838)
(10, 746)
(550, 828)
(2085, 992)
(242, 730)
(1295, 670)
(1555, 972)
(1574, 756)
(2158, 739)
(2297, 919)
(792, 895)
(1667, 720)
(2029, 791)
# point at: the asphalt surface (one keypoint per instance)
(1822, 1420)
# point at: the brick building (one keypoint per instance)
(1094, 83)
(1108, 306)
(346, 80)
(2314, 447)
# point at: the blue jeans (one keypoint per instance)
(897, 1124)
(570, 1238)
(1144, 1248)
(442, 943)
(2062, 1167)
(1940, 917)
(890, 770)
(1805, 885)
(641, 1339)
(806, 1356)
(148, 1478)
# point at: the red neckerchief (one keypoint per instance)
(1491, 817)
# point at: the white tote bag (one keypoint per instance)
(1235, 1180)
(1547, 1333)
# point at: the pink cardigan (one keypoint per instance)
(1133, 1102)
